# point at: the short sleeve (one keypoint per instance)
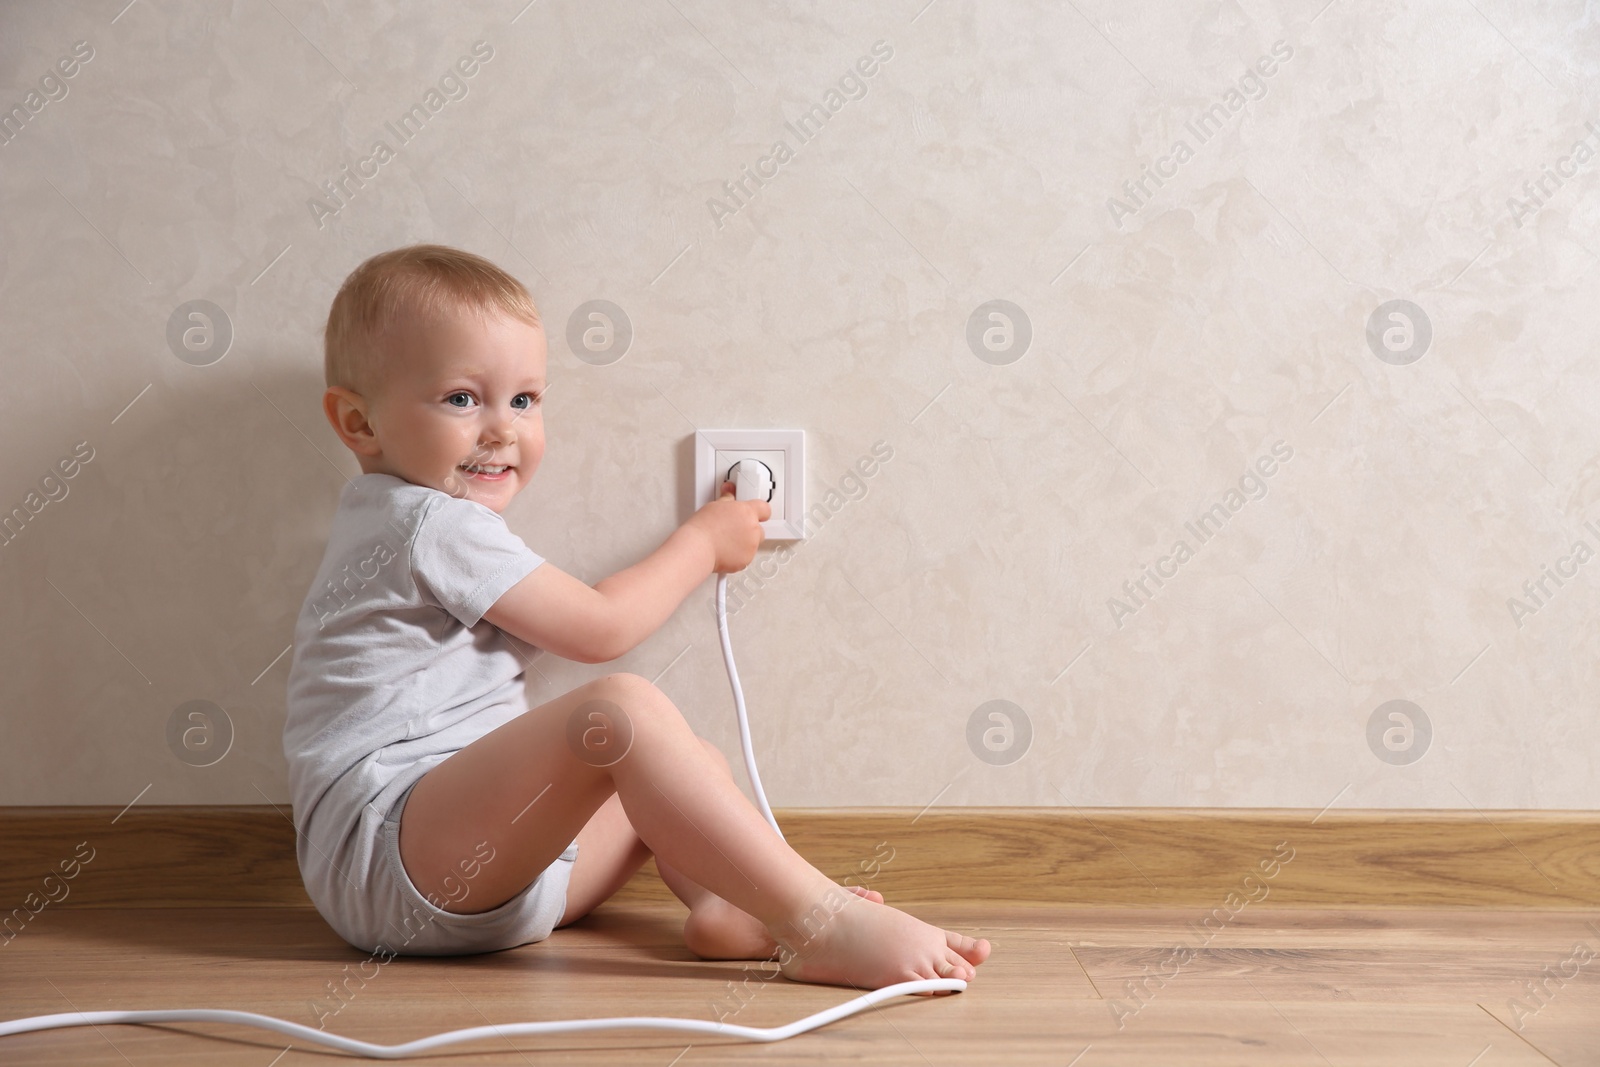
(464, 558)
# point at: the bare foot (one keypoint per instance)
(856, 942)
(716, 930)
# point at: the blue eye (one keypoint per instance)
(452, 398)
(531, 399)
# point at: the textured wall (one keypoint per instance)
(1288, 413)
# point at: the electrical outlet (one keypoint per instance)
(783, 451)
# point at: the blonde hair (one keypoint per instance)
(422, 280)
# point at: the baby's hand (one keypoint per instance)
(734, 527)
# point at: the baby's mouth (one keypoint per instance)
(488, 472)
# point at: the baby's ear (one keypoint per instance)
(347, 414)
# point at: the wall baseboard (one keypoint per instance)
(197, 856)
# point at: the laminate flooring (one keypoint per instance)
(1066, 986)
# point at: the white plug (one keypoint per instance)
(752, 480)
(720, 454)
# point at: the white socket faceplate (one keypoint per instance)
(781, 450)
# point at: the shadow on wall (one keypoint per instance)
(167, 570)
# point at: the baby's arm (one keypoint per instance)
(557, 612)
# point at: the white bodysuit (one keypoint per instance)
(394, 670)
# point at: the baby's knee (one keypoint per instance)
(638, 697)
(627, 688)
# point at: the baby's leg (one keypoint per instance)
(528, 792)
(716, 929)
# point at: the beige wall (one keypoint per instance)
(1180, 335)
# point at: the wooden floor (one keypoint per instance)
(1275, 987)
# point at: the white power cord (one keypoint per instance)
(456, 1037)
(574, 1026)
(738, 705)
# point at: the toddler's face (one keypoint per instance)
(461, 391)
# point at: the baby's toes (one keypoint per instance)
(945, 965)
(954, 966)
(973, 950)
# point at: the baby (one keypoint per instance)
(436, 813)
